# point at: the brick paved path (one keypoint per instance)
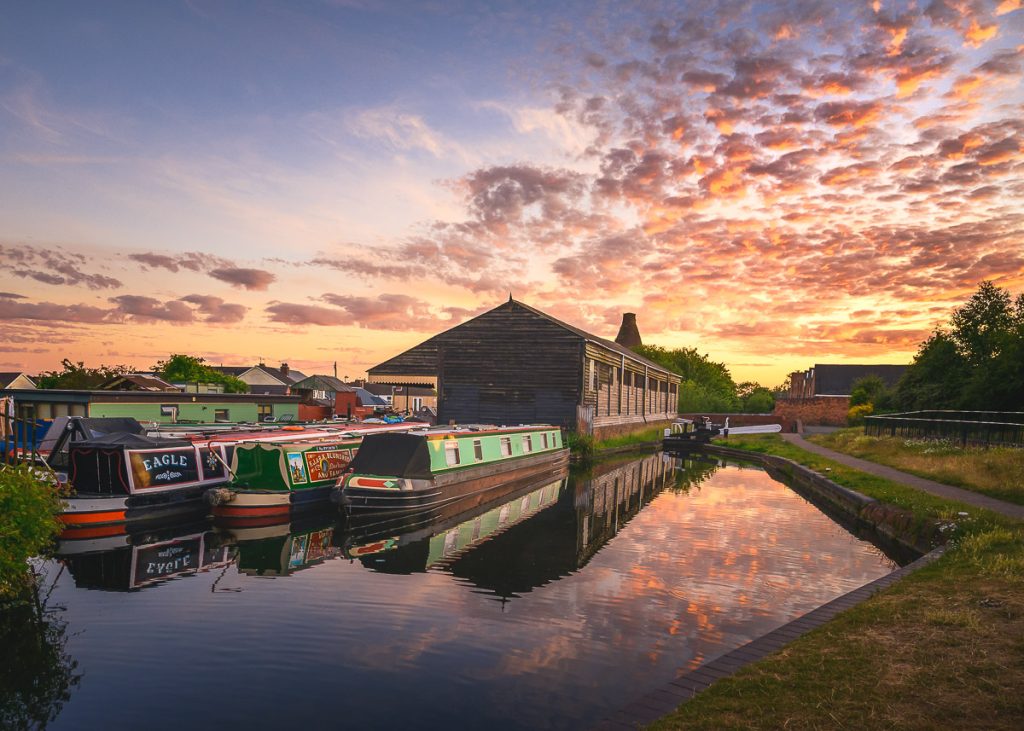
(935, 488)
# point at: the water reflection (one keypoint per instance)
(548, 606)
(142, 557)
(37, 674)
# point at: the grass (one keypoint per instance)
(996, 472)
(943, 648)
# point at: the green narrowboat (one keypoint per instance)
(401, 473)
(270, 480)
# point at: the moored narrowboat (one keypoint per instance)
(401, 473)
(269, 480)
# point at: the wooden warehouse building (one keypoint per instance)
(518, 365)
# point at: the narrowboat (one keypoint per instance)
(271, 479)
(402, 473)
(114, 471)
(283, 548)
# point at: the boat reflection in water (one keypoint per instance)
(136, 558)
(283, 548)
(514, 544)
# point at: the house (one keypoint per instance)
(262, 379)
(404, 399)
(16, 380)
(136, 382)
(516, 365)
(163, 407)
(821, 394)
(320, 397)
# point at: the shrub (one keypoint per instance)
(28, 523)
(855, 416)
(582, 446)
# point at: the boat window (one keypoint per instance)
(478, 450)
(506, 446)
(527, 443)
(221, 415)
(451, 453)
(544, 440)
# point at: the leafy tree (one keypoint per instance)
(755, 398)
(977, 364)
(180, 368)
(707, 386)
(28, 523)
(78, 376)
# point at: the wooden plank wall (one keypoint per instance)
(510, 366)
(619, 397)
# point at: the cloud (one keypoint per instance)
(215, 309)
(148, 309)
(297, 314)
(52, 313)
(253, 279)
(193, 261)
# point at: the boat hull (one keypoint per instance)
(97, 511)
(259, 506)
(423, 495)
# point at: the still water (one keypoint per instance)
(551, 608)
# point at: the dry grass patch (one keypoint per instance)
(997, 472)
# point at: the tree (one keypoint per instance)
(78, 376)
(977, 364)
(707, 386)
(180, 368)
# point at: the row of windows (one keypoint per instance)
(452, 456)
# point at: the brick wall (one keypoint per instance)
(820, 410)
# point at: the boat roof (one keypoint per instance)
(466, 430)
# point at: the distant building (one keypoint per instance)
(136, 382)
(518, 365)
(164, 407)
(16, 380)
(262, 379)
(837, 380)
(821, 395)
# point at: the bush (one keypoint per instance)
(28, 523)
(855, 416)
(582, 446)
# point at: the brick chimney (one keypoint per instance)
(629, 335)
(284, 369)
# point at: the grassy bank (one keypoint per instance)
(996, 472)
(943, 648)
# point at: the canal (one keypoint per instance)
(548, 609)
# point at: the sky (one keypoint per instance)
(319, 182)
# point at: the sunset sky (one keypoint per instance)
(775, 184)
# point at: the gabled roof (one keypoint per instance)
(6, 379)
(328, 383)
(838, 380)
(137, 381)
(276, 373)
(422, 360)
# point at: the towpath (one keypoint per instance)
(930, 486)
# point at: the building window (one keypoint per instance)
(264, 412)
(478, 450)
(417, 403)
(221, 415)
(169, 410)
(591, 374)
(527, 443)
(506, 446)
(451, 453)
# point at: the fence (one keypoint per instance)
(966, 428)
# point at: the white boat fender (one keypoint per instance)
(218, 496)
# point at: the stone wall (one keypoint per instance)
(609, 431)
(819, 410)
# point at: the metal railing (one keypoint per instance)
(21, 439)
(966, 428)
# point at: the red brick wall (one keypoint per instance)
(820, 410)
